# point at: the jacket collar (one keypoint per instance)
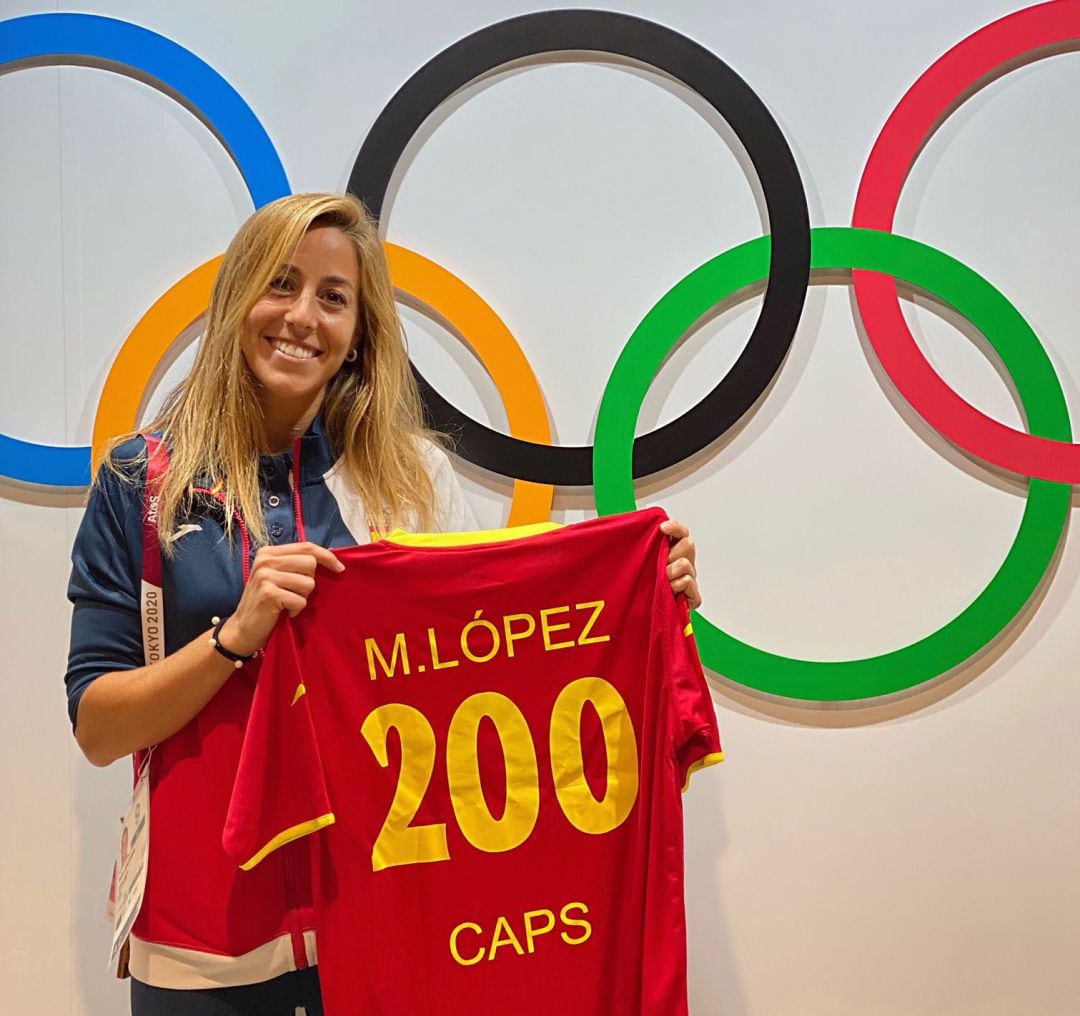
(316, 455)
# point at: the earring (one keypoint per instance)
(350, 356)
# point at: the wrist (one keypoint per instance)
(230, 640)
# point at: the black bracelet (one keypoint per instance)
(215, 640)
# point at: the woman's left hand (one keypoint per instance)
(681, 572)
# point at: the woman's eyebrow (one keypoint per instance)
(332, 280)
(337, 280)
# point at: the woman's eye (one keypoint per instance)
(280, 284)
(333, 296)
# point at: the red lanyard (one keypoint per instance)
(151, 601)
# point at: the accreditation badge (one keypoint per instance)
(129, 872)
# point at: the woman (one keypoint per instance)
(298, 429)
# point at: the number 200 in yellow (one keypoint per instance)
(401, 842)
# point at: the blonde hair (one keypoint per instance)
(212, 422)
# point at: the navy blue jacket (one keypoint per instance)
(205, 576)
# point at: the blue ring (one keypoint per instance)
(176, 71)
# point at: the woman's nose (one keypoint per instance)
(302, 312)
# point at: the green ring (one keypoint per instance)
(1043, 401)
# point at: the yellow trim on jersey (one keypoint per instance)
(689, 629)
(300, 691)
(297, 831)
(702, 763)
(466, 539)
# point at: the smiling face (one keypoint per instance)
(299, 331)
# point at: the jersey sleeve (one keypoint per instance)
(696, 737)
(279, 794)
(106, 632)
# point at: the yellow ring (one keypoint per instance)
(436, 290)
(499, 352)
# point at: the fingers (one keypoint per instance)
(682, 562)
(675, 529)
(279, 599)
(681, 545)
(265, 598)
(681, 568)
(292, 603)
(311, 554)
(301, 564)
(282, 583)
(687, 584)
(282, 578)
(327, 558)
(270, 580)
(269, 592)
(685, 549)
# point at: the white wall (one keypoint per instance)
(910, 857)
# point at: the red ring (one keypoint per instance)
(927, 103)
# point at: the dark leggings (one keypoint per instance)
(278, 997)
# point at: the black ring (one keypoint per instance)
(785, 200)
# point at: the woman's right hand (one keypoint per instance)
(282, 578)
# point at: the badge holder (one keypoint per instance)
(129, 871)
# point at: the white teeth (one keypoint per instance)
(296, 352)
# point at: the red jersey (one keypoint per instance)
(498, 733)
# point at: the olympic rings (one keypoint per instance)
(785, 258)
(175, 71)
(918, 114)
(434, 291)
(704, 73)
(1043, 401)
